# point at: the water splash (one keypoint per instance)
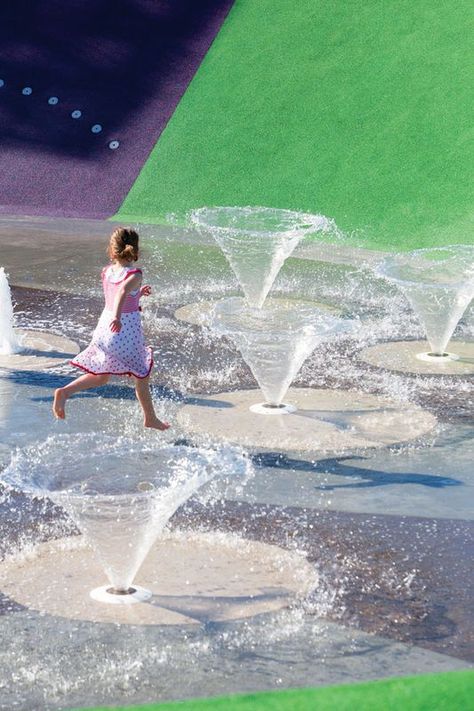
(276, 339)
(120, 493)
(9, 341)
(439, 284)
(257, 240)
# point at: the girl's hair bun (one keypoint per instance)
(123, 244)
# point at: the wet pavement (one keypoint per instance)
(389, 532)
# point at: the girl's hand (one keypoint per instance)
(115, 325)
(145, 290)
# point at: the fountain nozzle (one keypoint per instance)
(268, 408)
(119, 591)
(437, 357)
(118, 596)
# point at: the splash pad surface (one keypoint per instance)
(198, 314)
(414, 357)
(321, 420)
(40, 350)
(193, 579)
(391, 522)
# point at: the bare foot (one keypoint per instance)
(58, 404)
(157, 424)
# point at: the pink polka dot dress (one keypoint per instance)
(123, 353)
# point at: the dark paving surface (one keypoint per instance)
(409, 579)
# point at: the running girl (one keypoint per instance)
(117, 346)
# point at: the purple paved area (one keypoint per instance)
(124, 64)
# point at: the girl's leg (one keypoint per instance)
(142, 388)
(84, 382)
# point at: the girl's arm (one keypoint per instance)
(129, 285)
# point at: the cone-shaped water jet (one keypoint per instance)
(120, 493)
(257, 240)
(9, 341)
(28, 350)
(439, 284)
(274, 341)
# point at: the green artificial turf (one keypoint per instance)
(358, 109)
(452, 691)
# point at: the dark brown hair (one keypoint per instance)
(123, 244)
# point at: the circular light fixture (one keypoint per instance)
(96, 128)
(53, 100)
(113, 145)
(27, 91)
(2, 83)
(76, 114)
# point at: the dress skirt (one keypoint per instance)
(123, 353)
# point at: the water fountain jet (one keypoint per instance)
(439, 285)
(274, 341)
(119, 493)
(24, 349)
(256, 241)
(9, 341)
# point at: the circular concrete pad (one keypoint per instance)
(325, 420)
(198, 313)
(41, 350)
(194, 578)
(402, 356)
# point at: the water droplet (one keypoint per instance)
(53, 100)
(145, 486)
(88, 491)
(27, 90)
(76, 114)
(113, 145)
(96, 128)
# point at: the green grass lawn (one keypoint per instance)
(452, 691)
(358, 109)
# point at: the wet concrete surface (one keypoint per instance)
(189, 349)
(390, 535)
(406, 578)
